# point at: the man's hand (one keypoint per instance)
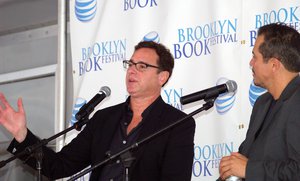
(13, 121)
(235, 164)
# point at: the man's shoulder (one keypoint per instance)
(110, 110)
(169, 108)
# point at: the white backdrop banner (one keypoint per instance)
(211, 41)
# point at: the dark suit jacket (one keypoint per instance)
(168, 156)
(275, 154)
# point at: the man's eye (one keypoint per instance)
(143, 66)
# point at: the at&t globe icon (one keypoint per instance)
(85, 10)
(78, 104)
(152, 36)
(255, 92)
(225, 101)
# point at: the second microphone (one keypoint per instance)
(229, 86)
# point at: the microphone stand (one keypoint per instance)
(209, 103)
(127, 159)
(36, 149)
(38, 154)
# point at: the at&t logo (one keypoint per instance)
(85, 10)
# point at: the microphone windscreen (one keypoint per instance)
(231, 85)
(105, 90)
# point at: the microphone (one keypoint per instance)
(89, 107)
(229, 86)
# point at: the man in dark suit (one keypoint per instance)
(271, 150)
(168, 156)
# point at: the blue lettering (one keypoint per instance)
(233, 27)
(198, 33)
(252, 38)
(221, 26)
(197, 168)
(201, 169)
(228, 149)
(104, 48)
(176, 95)
(177, 52)
(197, 153)
(181, 37)
(282, 15)
(265, 18)
(168, 95)
(84, 54)
(215, 163)
(206, 152)
(199, 48)
(96, 65)
(131, 4)
(258, 22)
(96, 49)
(207, 30)
(176, 105)
(216, 151)
(206, 49)
(285, 15)
(188, 50)
(293, 14)
(271, 18)
(189, 34)
(122, 46)
(81, 68)
(206, 170)
(89, 65)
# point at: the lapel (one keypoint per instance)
(262, 111)
(108, 129)
(151, 124)
(104, 135)
(270, 117)
(261, 116)
(284, 97)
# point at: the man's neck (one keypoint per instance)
(280, 84)
(138, 105)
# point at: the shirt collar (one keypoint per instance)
(146, 111)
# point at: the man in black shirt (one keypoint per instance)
(168, 156)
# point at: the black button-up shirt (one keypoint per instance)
(115, 170)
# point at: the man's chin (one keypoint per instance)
(256, 83)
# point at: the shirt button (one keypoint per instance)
(124, 142)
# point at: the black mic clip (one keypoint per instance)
(211, 96)
(83, 114)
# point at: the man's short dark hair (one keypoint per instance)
(165, 59)
(281, 42)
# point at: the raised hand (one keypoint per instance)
(13, 121)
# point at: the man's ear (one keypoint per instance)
(276, 64)
(163, 77)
